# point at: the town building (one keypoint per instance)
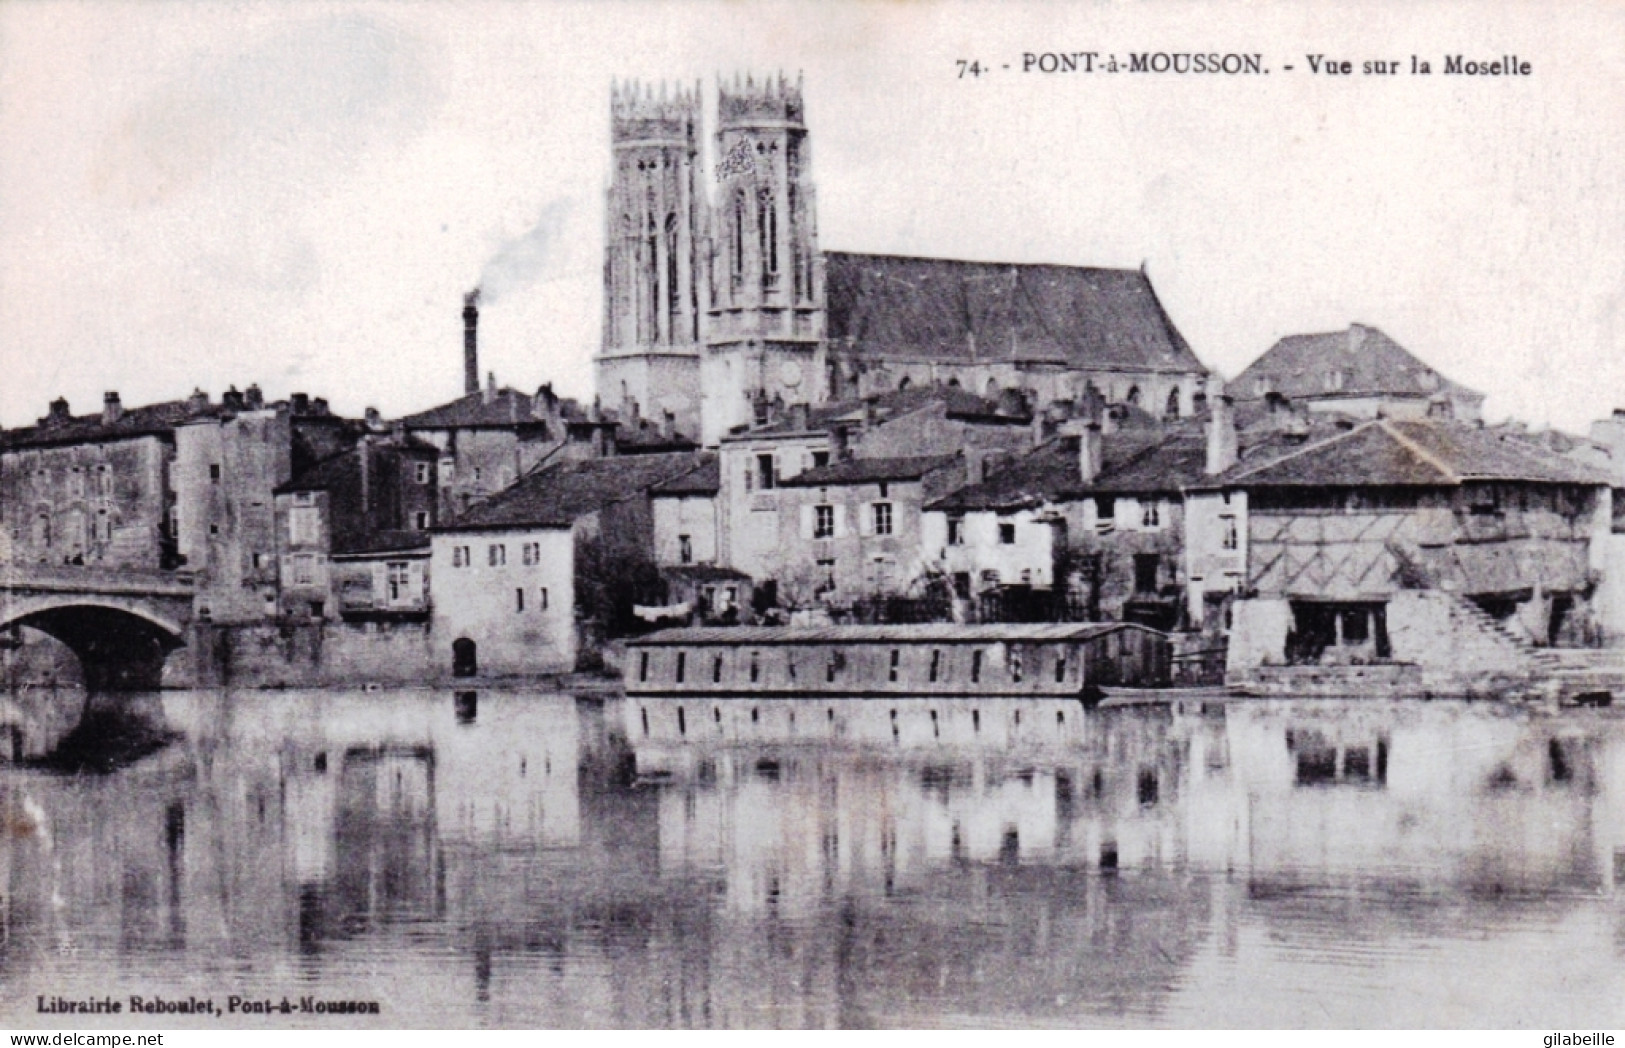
(716, 303)
(1433, 554)
(530, 578)
(1360, 372)
(760, 513)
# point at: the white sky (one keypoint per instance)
(204, 194)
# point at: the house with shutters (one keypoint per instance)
(850, 531)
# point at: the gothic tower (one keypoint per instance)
(765, 317)
(654, 312)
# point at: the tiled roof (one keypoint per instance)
(1134, 463)
(84, 429)
(391, 541)
(1412, 452)
(643, 437)
(506, 408)
(705, 479)
(869, 471)
(1368, 363)
(957, 404)
(558, 495)
(976, 312)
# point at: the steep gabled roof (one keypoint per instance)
(975, 312)
(1409, 453)
(1359, 362)
(869, 471)
(559, 495)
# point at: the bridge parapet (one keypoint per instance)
(65, 578)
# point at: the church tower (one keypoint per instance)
(765, 317)
(654, 312)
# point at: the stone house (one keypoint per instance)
(1360, 372)
(1440, 552)
(353, 532)
(850, 531)
(755, 464)
(685, 511)
(1086, 525)
(527, 580)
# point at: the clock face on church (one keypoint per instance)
(790, 373)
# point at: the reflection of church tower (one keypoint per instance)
(766, 316)
(652, 306)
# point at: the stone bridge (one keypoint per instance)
(122, 624)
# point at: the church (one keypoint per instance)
(719, 304)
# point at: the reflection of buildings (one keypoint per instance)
(844, 868)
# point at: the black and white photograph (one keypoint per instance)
(698, 515)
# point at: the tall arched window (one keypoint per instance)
(1133, 396)
(651, 291)
(674, 301)
(767, 232)
(736, 264)
(1173, 403)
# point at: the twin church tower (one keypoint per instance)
(713, 281)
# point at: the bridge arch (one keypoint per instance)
(121, 645)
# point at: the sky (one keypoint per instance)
(206, 194)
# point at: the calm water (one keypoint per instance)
(540, 860)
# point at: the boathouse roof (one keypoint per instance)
(958, 311)
(914, 633)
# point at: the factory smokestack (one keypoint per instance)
(471, 340)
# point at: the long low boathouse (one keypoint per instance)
(1075, 659)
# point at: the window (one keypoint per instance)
(476, 474)
(304, 522)
(820, 458)
(420, 520)
(519, 599)
(956, 531)
(823, 522)
(896, 658)
(1145, 572)
(1016, 658)
(257, 560)
(882, 511)
(976, 666)
(1151, 514)
(685, 550)
(1228, 525)
(448, 467)
(304, 569)
(544, 598)
(826, 568)
(766, 476)
(531, 554)
(962, 585)
(460, 557)
(936, 664)
(716, 670)
(214, 472)
(1007, 533)
(398, 578)
(496, 554)
(682, 666)
(420, 472)
(643, 665)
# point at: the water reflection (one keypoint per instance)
(508, 859)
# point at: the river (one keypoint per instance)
(511, 859)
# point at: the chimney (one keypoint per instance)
(1222, 450)
(375, 420)
(112, 409)
(364, 452)
(318, 406)
(471, 342)
(1277, 404)
(490, 393)
(1090, 452)
(869, 413)
(668, 425)
(840, 444)
(254, 397)
(975, 465)
(301, 403)
(799, 417)
(232, 399)
(1356, 338)
(198, 402)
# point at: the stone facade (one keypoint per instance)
(510, 593)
